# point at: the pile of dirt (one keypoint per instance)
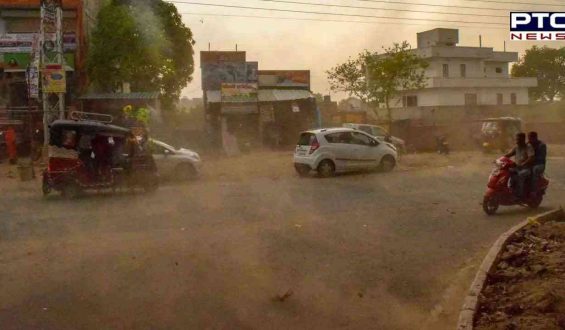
(526, 289)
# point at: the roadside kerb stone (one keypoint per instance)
(470, 304)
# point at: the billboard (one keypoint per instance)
(284, 78)
(214, 74)
(221, 57)
(54, 80)
(239, 92)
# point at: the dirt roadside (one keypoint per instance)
(526, 290)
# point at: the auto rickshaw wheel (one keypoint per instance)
(45, 188)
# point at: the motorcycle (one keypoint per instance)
(499, 191)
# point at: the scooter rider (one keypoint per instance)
(524, 157)
(538, 164)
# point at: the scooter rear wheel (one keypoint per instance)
(535, 203)
(490, 205)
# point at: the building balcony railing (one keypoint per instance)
(480, 82)
(483, 53)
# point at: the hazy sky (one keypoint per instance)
(317, 45)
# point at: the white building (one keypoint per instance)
(464, 76)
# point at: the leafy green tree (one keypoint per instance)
(378, 78)
(351, 77)
(548, 65)
(145, 43)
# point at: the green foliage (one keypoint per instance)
(145, 43)
(351, 77)
(548, 65)
(377, 78)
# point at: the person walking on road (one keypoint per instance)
(11, 147)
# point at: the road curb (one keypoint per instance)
(470, 304)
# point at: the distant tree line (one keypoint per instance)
(548, 66)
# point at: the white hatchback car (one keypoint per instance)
(178, 164)
(334, 150)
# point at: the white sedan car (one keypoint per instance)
(332, 150)
(172, 163)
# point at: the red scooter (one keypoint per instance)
(499, 193)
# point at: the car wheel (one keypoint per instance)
(151, 183)
(326, 168)
(387, 163)
(185, 172)
(302, 170)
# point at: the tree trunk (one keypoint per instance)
(388, 114)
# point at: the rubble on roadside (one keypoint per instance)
(526, 288)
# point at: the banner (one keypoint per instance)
(54, 80)
(239, 92)
(49, 10)
(23, 42)
(32, 73)
(32, 77)
(284, 78)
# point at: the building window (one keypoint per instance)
(498, 70)
(470, 99)
(499, 99)
(410, 101)
(446, 70)
(463, 70)
(513, 99)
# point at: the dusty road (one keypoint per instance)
(363, 251)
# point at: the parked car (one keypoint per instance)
(172, 163)
(381, 133)
(332, 150)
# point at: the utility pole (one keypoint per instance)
(53, 80)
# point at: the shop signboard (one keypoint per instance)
(284, 78)
(239, 92)
(243, 108)
(54, 80)
(19, 62)
(23, 42)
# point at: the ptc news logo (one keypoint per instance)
(542, 26)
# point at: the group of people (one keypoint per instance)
(530, 157)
